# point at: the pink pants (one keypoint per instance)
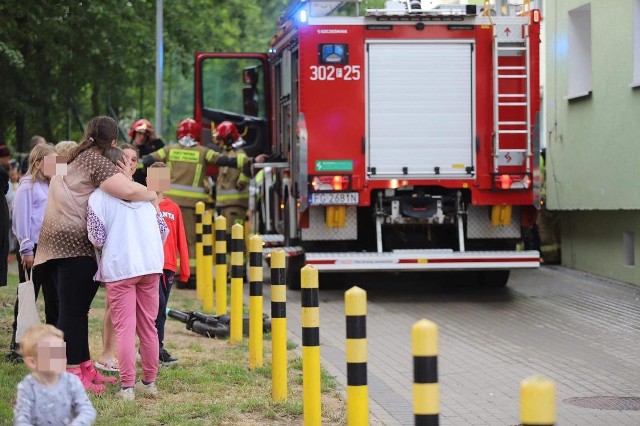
(134, 307)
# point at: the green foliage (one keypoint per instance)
(63, 62)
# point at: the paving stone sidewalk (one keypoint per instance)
(576, 329)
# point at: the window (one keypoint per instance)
(628, 241)
(636, 44)
(580, 73)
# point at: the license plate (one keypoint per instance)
(334, 199)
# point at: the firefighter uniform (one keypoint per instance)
(189, 182)
(232, 191)
(548, 223)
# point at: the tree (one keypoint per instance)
(65, 61)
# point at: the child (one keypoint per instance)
(130, 235)
(29, 205)
(131, 155)
(176, 243)
(49, 395)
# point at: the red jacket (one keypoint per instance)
(176, 241)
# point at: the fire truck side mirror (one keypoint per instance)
(250, 101)
(250, 76)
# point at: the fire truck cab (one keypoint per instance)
(401, 138)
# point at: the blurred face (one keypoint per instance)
(219, 141)
(14, 175)
(139, 139)
(51, 358)
(53, 165)
(131, 158)
(158, 179)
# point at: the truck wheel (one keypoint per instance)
(494, 279)
(295, 263)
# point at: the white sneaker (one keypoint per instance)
(149, 389)
(127, 394)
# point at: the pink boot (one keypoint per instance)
(89, 386)
(90, 372)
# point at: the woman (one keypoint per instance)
(64, 242)
(28, 212)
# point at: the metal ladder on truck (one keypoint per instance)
(511, 40)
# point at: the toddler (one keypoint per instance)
(49, 395)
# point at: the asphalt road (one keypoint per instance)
(575, 329)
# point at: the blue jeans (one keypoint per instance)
(166, 282)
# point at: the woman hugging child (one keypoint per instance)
(130, 236)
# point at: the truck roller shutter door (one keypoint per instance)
(420, 108)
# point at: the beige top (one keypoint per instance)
(64, 229)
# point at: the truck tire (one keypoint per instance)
(295, 263)
(494, 279)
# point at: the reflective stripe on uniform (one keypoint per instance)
(259, 176)
(240, 159)
(188, 188)
(139, 166)
(234, 196)
(231, 194)
(184, 155)
(187, 194)
(243, 178)
(196, 175)
(210, 154)
(161, 154)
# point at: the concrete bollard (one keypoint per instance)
(256, 333)
(278, 326)
(237, 260)
(355, 306)
(199, 264)
(310, 347)
(537, 402)
(426, 398)
(221, 265)
(207, 260)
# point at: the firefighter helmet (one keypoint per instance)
(227, 132)
(189, 127)
(141, 126)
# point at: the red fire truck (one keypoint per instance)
(402, 138)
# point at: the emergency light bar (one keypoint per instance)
(437, 13)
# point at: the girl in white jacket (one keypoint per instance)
(130, 236)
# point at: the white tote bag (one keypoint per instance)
(27, 310)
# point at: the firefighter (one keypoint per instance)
(232, 184)
(548, 222)
(189, 182)
(145, 140)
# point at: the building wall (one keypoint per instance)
(593, 151)
(594, 142)
(594, 241)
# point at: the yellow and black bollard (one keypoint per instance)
(426, 393)
(221, 265)
(255, 302)
(207, 260)
(537, 402)
(237, 260)
(278, 326)
(199, 264)
(355, 306)
(310, 347)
